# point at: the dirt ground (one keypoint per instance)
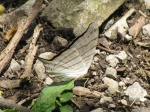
(135, 68)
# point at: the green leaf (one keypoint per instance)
(66, 96)
(66, 108)
(47, 101)
(9, 110)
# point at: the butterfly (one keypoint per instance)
(74, 62)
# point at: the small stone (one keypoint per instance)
(147, 4)
(94, 73)
(124, 102)
(97, 51)
(59, 42)
(113, 61)
(122, 55)
(48, 81)
(121, 84)
(146, 30)
(111, 73)
(128, 37)
(40, 70)
(136, 92)
(93, 67)
(111, 106)
(113, 85)
(97, 110)
(96, 59)
(105, 99)
(47, 55)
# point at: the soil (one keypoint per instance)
(135, 68)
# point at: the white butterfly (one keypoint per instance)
(75, 61)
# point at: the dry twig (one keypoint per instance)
(7, 53)
(32, 52)
(12, 104)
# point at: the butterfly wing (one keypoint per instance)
(86, 45)
(75, 61)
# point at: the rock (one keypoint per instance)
(111, 106)
(140, 109)
(147, 4)
(146, 30)
(124, 102)
(14, 67)
(47, 55)
(121, 84)
(113, 85)
(96, 59)
(59, 42)
(136, 92)
(79, 14)
(48, 81)
(97, 51)
(94, 73)
(40, 70)
(122, 55)
(111, 73)
(97, 110)
(113, 61)
(128, 37)
(105, 100)
(93, 67)
(120, 26)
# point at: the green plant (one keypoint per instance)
(53, 97)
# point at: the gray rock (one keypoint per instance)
(59, 42)
(48, 81)
(113, 85)
(111, 73)
(98, 110)
(113, 61)
(14, 67)
(120, 26)
(122, 55)
(136, 92)
(146, 30)
(111, 106)
(78, 14)
(147, 4)
(124, 102)
(105, 99)
(40, 70)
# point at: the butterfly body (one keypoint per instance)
(75, 61)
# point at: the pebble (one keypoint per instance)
(94, 73)
(136, 92)
(113, 61)
(122, 55)
(111, 106)
(111, 73)
(48, 81)
(146, 30)
(105, 99)
(40, 70)
(121, 84)
(97, 110)
(124, 102)
(113, 85)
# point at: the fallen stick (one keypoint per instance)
(7, 53)
(11, 104)
(32, 52)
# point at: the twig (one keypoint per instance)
(107, 50)
(32, 52)
(11, 104)
(7, 53)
